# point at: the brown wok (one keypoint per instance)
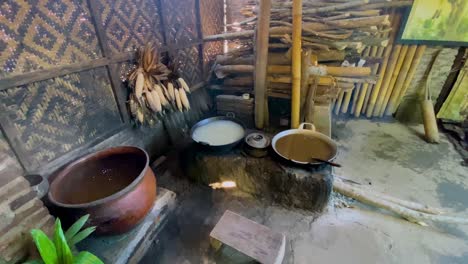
(304, 146)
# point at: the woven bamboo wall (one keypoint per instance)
(47, 122)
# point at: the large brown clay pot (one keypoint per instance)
(115, 186)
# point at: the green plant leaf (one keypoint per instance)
(64, 254)
(76, 227)
(86, 257)
(81, 235)
(35, 261)
(45, 246)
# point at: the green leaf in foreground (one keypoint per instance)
(76, 227)
(82, 235)
(86, 257)
(64, 254)
(45, 247)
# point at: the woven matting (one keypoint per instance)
(130, 24)
(56, 116)
(38, 34)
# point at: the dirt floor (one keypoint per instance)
(390, 157)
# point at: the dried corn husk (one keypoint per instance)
(184, 99)
(170, 89)
(140, 82)
(178, 101)
(158, 89)
(140, 116)
(133, 105)
(184, 85)
(152, 103)
(156, 100)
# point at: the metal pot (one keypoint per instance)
(216, 148)
(256, 144)
(310, 133)
(115, 186)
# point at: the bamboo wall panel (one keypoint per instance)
(180, 21)
(212, 15)
(189, 63)
(130, 24)
(56, 116)
(43, 33)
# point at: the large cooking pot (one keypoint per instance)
(302, 146)
(115, 186)
(217, 148)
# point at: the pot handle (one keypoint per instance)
(302, 126)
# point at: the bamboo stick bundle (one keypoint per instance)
(363, 93)
(414, 65)
(358, 92)
(376, 90)
(401, 79)
(338, 103)
(394, 76)
(346, 100)
(387, 78)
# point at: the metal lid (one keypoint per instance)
(257, 140)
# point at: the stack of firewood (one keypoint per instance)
(343, 42)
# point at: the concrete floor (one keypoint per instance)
(390, 157)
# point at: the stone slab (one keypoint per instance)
(132, 246)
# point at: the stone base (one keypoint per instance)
(304, 188)
(132, 246)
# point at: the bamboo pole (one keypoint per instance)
(261, 60)
(401, 79)
(305, 81)
(360, 101)
(376, 90)
(374, 200)
(359, 91)
(414, 65)
(383, 68)
(396, 72)
(386, 78)
(338, 103)
(346, 100)
(296, 62)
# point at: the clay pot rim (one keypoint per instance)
(104, 200)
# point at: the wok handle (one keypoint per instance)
(303, 126)
(231, 115)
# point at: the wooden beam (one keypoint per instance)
(41, 75)
(261, 61)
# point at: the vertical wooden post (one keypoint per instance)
(296, 62)
(261, 61)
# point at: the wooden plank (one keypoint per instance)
(255, 240)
